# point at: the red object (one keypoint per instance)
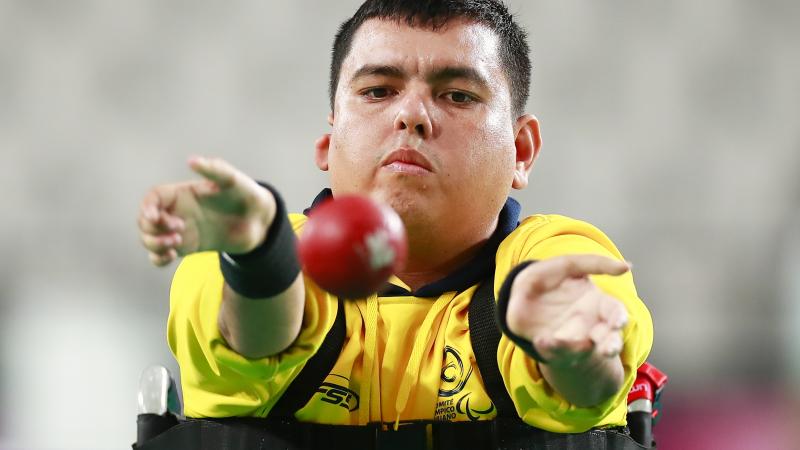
(351, 245)
(655, 376)
(649, 380)
(641, 389)
(648, 385)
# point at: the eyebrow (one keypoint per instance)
(444, 74)
(458, 72)
(378, 70)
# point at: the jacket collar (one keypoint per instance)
(472, 272)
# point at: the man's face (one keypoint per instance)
(423, 122)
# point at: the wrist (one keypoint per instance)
(268, 199)
(502, 313)
(587, 383)
(270, 267)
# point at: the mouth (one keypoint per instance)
(407, 160)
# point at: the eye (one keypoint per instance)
(459, 97)
(376, 93)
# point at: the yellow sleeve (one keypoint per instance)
(217, 381)
(537, 403)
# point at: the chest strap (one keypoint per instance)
(313, 374)
(484, 334)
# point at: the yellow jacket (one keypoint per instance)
(404, 357)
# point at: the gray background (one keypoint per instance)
(673, 126)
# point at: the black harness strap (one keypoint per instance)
(265, 434)
(314, 372)
(485, 337)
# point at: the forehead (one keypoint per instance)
(421, 49)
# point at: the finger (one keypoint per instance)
(159, 198)
(214, 169)
(569, 342)
(171, 222)
(164, 222)
(148, 209)
(162, 259)
(148, 226)
(152, 211)
(611, 345)
(548, 274)
(612, 312)
(573, 334)
(600, 332)
(204, 188)
(161, 243)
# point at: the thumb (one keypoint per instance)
(214, 169)
(548, 274)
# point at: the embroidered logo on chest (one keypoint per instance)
(454, 374)
(454, 404)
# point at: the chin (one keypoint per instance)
(412, 206)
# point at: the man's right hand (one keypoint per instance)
(225, 211)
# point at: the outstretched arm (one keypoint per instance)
(574, 327)
(228, 212)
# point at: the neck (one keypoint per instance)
(431, 259)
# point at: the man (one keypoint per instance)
(427, 103)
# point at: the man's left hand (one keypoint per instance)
(566, 317)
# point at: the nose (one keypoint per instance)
(413, 115)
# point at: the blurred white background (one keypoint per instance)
(673, 126)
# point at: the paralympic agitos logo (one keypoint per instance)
(463, 407)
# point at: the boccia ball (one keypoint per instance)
(351, 245)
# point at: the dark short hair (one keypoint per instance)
(435, 14)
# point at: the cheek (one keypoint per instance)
(487, 161)
(342, 139)
(341, 158)
(499, 137)
(488, 151)
(360, 133)
(351, 161)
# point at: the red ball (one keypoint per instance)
(351, 245)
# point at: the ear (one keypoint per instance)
(321, 147)
(527, 141)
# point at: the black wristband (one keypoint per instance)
(502, 311)
(270, 268)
